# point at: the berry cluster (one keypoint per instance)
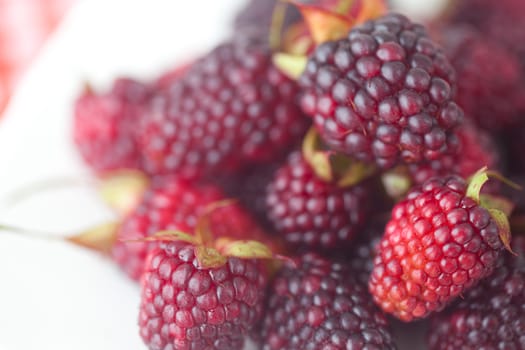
(383, 211)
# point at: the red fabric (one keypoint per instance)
(24, 25)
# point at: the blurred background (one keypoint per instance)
(55, 296)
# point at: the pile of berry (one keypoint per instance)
(379, 211)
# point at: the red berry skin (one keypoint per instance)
(383, 94)
(309, 212)
(491, 315)
(490, 79)
(476, 149)
(103, 125)
(169, 204)
(318, 304)
(232, 108)
(173, 204)
(184, 306)
(437, 244)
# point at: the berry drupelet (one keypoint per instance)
(491, 88)
(310, 212)
(230, 109)
(319, 305)
(168, 204)
(476, 149)
(104, 124)
(187, 306)
(383, 94)
(173, 204)
(438, 243)
(490, 316)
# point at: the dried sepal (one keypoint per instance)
(497, 202)
(324, 24)
(396, 182)
(244, 249)
(123, 189)
(476, 182)
(169, 236)
(100, 238)
(503, 227)
(331, 166)
(203, 231)
(209, 257)
(290, 65)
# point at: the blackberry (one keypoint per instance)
(383, 94)
(319, 305)
(230, 109)
(310, 212)
(104, 125)
(491, 88)
(186, 306)
(490, 316)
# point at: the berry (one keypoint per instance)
(490, 79)
(360, 257)
(169, 204)
(230, 109)
(187, 306)
(492, 315)
(172, 204)
(319, 305)
(311, 212)
(383, 94)
(476, 150)
(104, 124)
(438, 243)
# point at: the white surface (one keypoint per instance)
(53, 295)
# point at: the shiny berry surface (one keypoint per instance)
(490, 316)
(437, 244)
(310, 212)
(383, 94)
(184, 306)
(231, 108)
(319, 305)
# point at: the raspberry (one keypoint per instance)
(383, 94)
(185, 306)
(319, 305)
(490, 79)
(310, 212)
(476, 149)
(492, 315)
(169, 204)
(172, 204)
(438, 243)
(230, 109)
(103, 125)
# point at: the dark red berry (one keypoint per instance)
(318, 304)
(230, 109)
(313, 213)
(490, 316)
(104, 125)
(169, 204)
(185, 306)
(438, 243)
(172, 204)
(476, 149)
(384, 94)
(491, 88)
